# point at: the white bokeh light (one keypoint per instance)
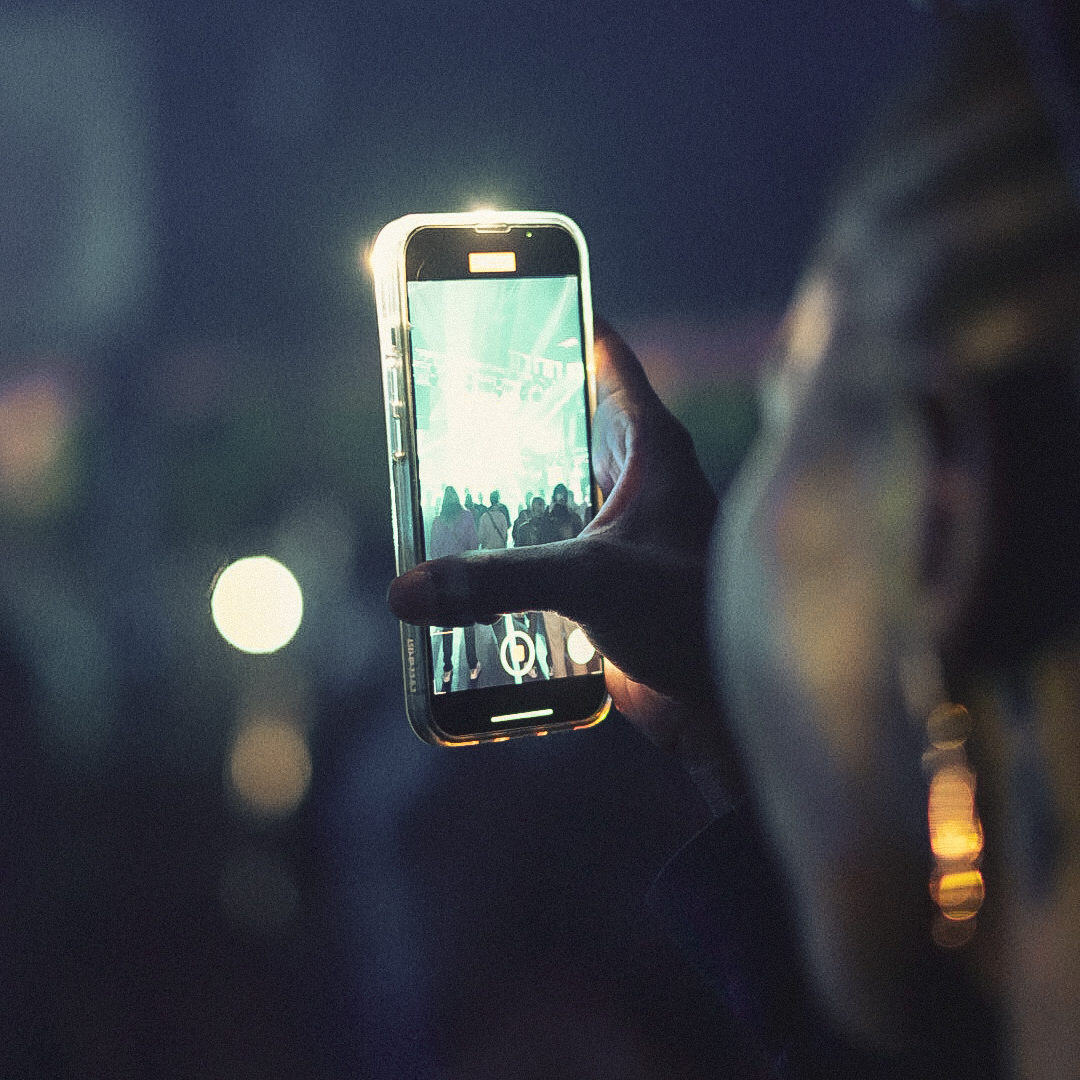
(257, 604)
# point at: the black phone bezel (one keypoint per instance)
(441, 253)
(467, 714)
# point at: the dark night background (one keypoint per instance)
(189, 374)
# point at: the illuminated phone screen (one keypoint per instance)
(502, 439)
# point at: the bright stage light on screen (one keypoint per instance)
(257, 604)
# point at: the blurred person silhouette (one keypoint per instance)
(581, 508)
(453, 531)
(560, 523)
(524, 510)
(499, 506)
(475, 507)
(494, 525)
(885, 610)
(529, 530)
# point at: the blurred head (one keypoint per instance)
(913, 501)
(537, 508)
(451, 503)
(494, 498)
(560, 496)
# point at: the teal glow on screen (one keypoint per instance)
(499, 381)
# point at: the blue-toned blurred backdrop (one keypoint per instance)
(219, 863)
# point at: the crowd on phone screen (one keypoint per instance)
(460, 525)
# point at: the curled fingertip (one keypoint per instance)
(435, 593)
(413, 596)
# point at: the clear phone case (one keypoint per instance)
(387, 261)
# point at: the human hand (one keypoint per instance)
(634, 579)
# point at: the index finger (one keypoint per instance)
(618, 369)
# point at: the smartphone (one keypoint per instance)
(485, 329)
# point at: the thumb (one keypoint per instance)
(475, 587)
